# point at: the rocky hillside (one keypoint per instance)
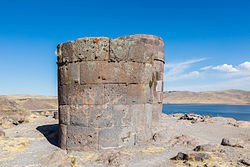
(237, 97)
(28, 102)
(16, 109)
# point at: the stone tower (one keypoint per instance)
(109, 90)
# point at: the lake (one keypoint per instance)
(238, 112)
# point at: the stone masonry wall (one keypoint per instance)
(109, 90)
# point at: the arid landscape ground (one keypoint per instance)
(181, 140)
(29, 135)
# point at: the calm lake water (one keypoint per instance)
(238, 112)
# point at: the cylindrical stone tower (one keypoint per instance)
(109, 90)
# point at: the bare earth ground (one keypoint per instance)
(34, 144)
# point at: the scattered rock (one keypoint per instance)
(194, 117)
(206, 165)
(205, 147)
(184, 140)
(245, 162)
(180, 156)
(232, 142)
(162, 136)
(233, 124)
(200, 156)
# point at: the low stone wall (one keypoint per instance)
(109, 90)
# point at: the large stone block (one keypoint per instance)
(121, 115)
(138, 72)
(79, 115)
(74, 72)
(62, 136)
(69, 74)
(100, 116)
(141, 119)
(90, 72)
(64, 52)
(158, 69)
(91, 94)
(116, 137)
(63, 95)
(119, 49)
(115, 93)
(63, 78)
(156, 114)
(82, 138)
(139, 94)
(89, 49)
(158, 91)
(114, 72)
(64, 114)
(159, 52)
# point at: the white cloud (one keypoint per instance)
(242, 69)
(176, 71)
(225, 68)
(206, 68)
(226, 76)
(239, 83)
(244, 66)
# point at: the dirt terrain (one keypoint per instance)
(181, 140)
(235, 97)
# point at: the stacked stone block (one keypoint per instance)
(109, 90)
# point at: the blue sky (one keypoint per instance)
(207, 43)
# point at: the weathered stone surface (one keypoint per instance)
(100, 116)
(116, 137)
(156, 114)
(119, 49)
(141, 117)
(64, 52)
(139, 94)
(122, 116)
(114, 72)
(91, 94)
(64, 114)
(109, 91)
(158, 70)
(63, 136)
(78, 115)
(91, 48)
(90, 72)
(82, 138)
(158, 92)
(233, 142)
(115, 93)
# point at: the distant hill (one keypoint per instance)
(27, 102)
(237, 97)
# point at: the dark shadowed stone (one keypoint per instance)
(233, 142)
(180, 156)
